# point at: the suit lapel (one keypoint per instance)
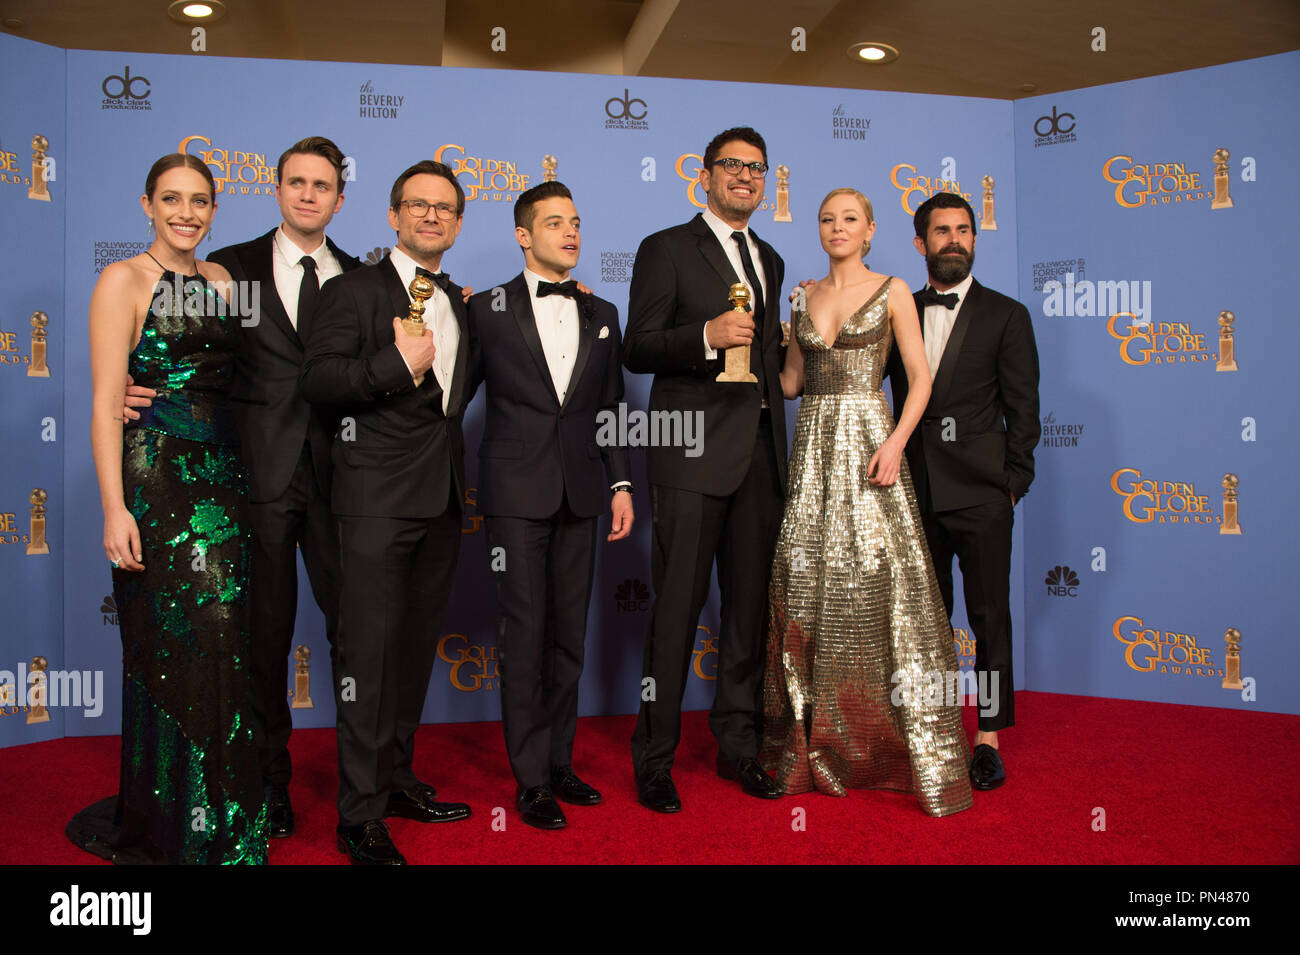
(586, 335)
(521, 307)
(346, 262)
(260, 267)
(461, 367)
(966, 313)
(712, 252)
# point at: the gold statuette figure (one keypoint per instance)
(40, 188)
(1227, 355)
(37, 695)
(301, 695)
(1232, 666)
(549, 163)
(987, 223)
(737, 367)
(421, 288)
(1221, 198)
(38, 368)
(37, 544)
(1230, 525)
(782, 194)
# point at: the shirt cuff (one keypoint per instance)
(709, 353)
(621, 486)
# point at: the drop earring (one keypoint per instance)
(150, 230)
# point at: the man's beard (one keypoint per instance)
(950, 269)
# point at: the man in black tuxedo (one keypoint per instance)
(550, 355)
(284, 442)
(972, 456)
(723, 501)
(398, 482)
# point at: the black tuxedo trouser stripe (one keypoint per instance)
(542, 599)
(300, 517)
(980, 538)
(396, 574)
(689, 530)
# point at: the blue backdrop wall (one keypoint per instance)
(629, 148)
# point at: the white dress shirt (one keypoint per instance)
(286, 266)
(440, 321)
(729, 246)
(938, 325)
(557, 326)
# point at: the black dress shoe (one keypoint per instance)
(417, 804)
(656, 791)
(986, 769)
(279, 814)
(540, 810)
(566, 786)
(369, 844)
(751, 776)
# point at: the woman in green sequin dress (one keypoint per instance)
(856, 621)
(175, 532)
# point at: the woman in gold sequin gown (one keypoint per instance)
(857, 629)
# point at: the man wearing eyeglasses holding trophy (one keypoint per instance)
(723, 500)
(399, 478)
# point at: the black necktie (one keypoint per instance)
(929, 296)
(751, 276)
(307, 291)
(440, 279)
(569, 288)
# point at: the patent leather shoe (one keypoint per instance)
(656, 791)
(417, 803)
(369, 844)
(753, 779)
(540, 810)
(279, 813)
(567, 787)
(986, 769)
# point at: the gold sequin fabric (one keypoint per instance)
(859, 645)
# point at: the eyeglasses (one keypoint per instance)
(419, 208)
(756, 169)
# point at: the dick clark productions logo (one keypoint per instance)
(124, 91)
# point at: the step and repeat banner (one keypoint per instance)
(629, 148)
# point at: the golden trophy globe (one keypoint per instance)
(421, 289)
(40, 188)
(782, 213)
(1227, 353)
(550, 164)
(38, 368)
(1221, 198)
(986, 222)
(301, 695)
(38, 693)
(737, 361)
(36, 540)
(1232, 662)
(1230, 525)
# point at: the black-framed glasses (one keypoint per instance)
(733, 166)
(419, 208)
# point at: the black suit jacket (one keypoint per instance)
(272, 416)
(681, 280)
(987, 384)
(535, 449)
(404, 457)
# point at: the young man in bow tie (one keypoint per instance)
(399, 479)
(972, 456)
(549, 353)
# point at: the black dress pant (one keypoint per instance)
(543, 592)
(980, 538)
(689, 531)
(397, 574)
(298, 519)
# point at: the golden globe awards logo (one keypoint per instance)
(495, 179)
(14, 349)
(236, 172)
(1144, 342)
(916, 188)
(964, 644)
(1151, 501)
(690, 165)
(473, 666)
(1152, 650)
(1142, 183)
(704, 658)
(11, 169)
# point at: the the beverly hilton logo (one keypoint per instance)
(473, 666)
(1151, 501)
(690, 165)
(483, 178)
(237, 172)
(916, 188)
(1152, 650)
(1144, 342)
(1141, 182)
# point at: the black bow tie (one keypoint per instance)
(440, 279)
(569, 288)
(930, 297)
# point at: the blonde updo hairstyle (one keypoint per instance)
(862, 200)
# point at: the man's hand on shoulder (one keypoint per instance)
(417, 350)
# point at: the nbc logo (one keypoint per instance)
(631, 596)
(1062, 582)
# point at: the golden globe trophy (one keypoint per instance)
(40, 188)
(1230, 525)
(36, 543)
(1232, 664)
(421, 288)
(36, 697)
(1227, 355)
(301, 695)
(782, 194)
(550, 164)
(1221, 198)
(38, 368)
(737, 366)
(987, 223)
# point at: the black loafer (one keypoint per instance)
(656, 791)
(986, 769)
(279, 814)
(540, 810)
(753, 779)
(369, 844)
(566, 786)
(417, 804)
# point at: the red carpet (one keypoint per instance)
(1179, 785)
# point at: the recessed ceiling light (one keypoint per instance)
(872, 52)
(192, 11)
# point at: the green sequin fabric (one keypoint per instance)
(190, 789)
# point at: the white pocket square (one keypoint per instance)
(604, 332)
